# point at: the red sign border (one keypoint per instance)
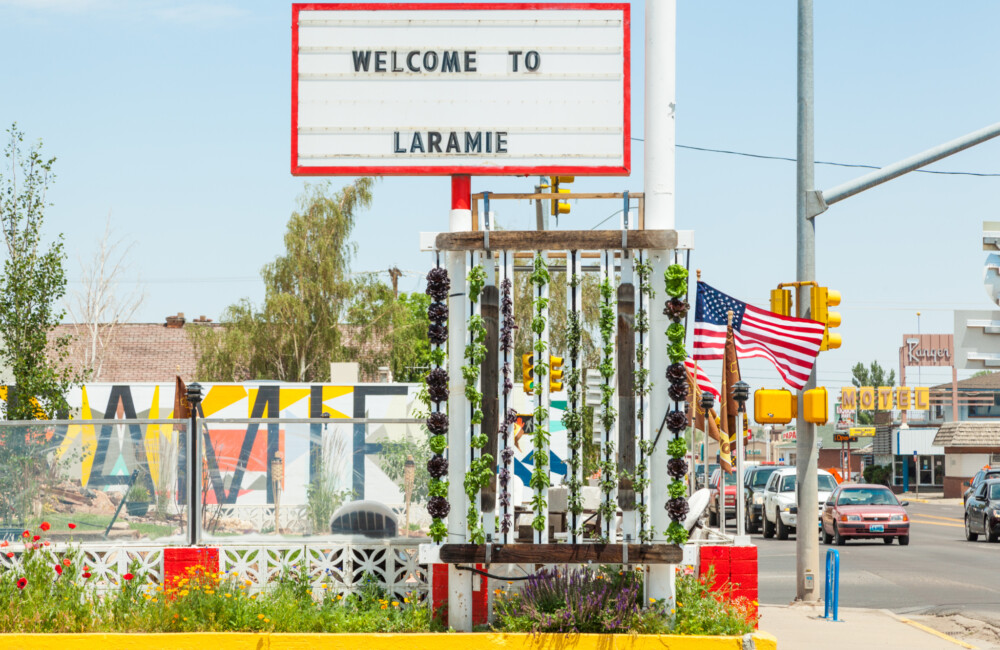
(623, 170)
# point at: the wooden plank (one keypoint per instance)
(626, 395)
(561, 553)
(490, 380)
(562, 240)
(550, 195)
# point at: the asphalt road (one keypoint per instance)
(938, 573)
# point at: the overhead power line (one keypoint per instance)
(823, 162)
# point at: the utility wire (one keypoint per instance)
(823, 162)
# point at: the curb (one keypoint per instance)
(431, 641)
(930, 630)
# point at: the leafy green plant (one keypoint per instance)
(540, 435)
(137, 493)
(608, 466)
(704, 612)
(481, 467)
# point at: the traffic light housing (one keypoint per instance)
(555, 374)
(814, 405)
(560, 207)
(781, 301)
(527, 370)
(820, 301)
(774, 406)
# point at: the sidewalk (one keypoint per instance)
(928, 497)
(800, 626)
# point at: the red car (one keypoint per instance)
(729, 497)
(860, 511)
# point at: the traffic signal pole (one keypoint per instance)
(806, 539)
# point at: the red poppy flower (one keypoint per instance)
(36, 538)
(25, 534)
(45, 544)
(71, 526)
(59, 569)
(45, 526)
(85, 574)
(67, 561)
(22, 583)
(9, 554)
(127, 576)
(4, 544)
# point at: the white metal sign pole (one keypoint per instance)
(459, 582)
(658, 188)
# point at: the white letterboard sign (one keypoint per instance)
(439, 89)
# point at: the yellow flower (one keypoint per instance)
(183, 592)
(248, 583)
(406, 600)
(652, 600)
(252, 596)
(147, 596)
(154, 600)
(339, 597)
(672, 611)
(395, 604)
(209, 592)
(229, 595)
(260, 616)
(326, 586)
(185, 618)
(267, 620)
(384, 606)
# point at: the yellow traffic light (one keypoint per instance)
(527, 368)
(814, 405)
(781, 301)
(772, 406)
(560, 207)
(555, 374)
(820, 301)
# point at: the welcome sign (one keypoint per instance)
(439, 89)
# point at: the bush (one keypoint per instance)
(55, 593)
(703, 612)
(878, 474)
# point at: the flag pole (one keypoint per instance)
(697, 405)
(724, 420)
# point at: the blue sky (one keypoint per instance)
(174, 118)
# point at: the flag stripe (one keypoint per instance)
(704, 383)
(791, 344)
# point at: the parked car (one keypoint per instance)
(982, 512)
(863, 510)
(729, 496)
(755, 479)
(977, 480)
(781, 500)
(699, 475)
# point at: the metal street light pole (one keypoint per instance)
(806, 541)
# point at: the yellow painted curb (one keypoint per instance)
(938, 634)
(245, 641)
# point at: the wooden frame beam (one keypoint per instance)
(562, 554)
(565, 240)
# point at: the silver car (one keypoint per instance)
(781, 501)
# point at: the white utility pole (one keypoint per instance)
(658, 186)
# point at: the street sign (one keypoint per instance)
(441, 89)
(863, 432)
(843, 437)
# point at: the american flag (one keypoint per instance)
(791, 344)
(704, 383)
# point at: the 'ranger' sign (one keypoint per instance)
(460, 89)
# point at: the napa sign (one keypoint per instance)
(439, 89)
(884, 398)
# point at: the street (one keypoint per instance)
(938, 573)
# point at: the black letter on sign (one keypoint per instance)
(380, 61)
(418, 143)
(409, 61)
(452, 143)
(430, 65)
(470, 61)
(433, 142)
(473, 142)
(395, 143)
(361, 60)
(502, 140)
(514, 55)
(532, 61)
(395, 68)
(449, 62)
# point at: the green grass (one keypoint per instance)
(95, 522)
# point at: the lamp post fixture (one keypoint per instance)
(741, 393)
(193, 469)
(707, 404)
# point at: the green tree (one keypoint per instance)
(296, 333)
(32, 285)
(874, 375)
